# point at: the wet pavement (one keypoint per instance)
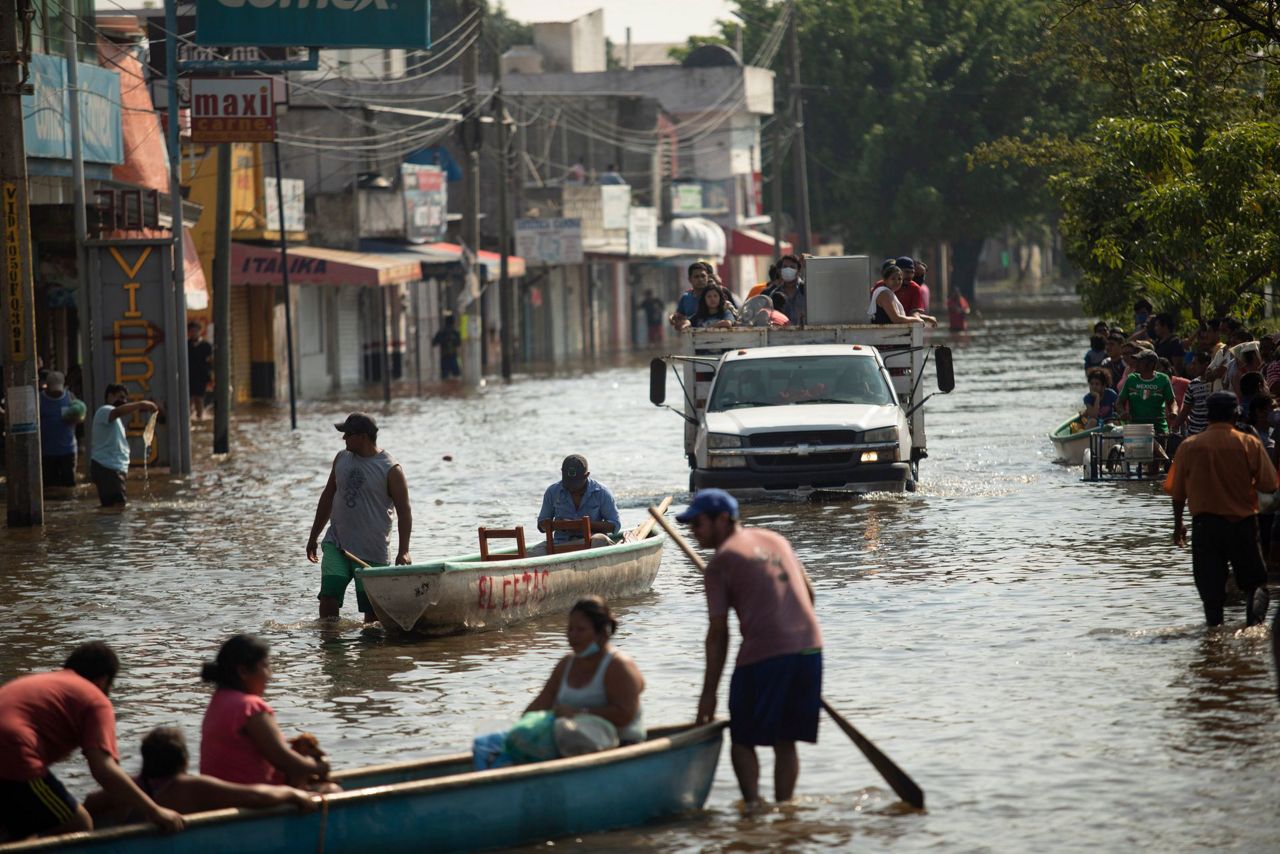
(1027, 646)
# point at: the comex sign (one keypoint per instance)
(314, 23)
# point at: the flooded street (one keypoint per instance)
(1027, 646)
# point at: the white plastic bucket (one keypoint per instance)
(1139, 442)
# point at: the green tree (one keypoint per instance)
(898, 95)
(1173, 192)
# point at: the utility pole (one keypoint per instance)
(506, 315)
(88, 362)
(284, 280)
(471, 367)
(222, 304)
(775, 189)
(803, 226)
(179, 458)
(24, 487)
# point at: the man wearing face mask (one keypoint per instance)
(109, 459)
(791, 286)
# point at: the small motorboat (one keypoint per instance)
(1070, 447)
(480, 592)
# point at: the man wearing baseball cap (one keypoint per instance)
(775, 692)
(1220, 472)
(574, 495)
(910, 295)
(369, 484)
(1146, 396)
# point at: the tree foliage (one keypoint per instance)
(898, 94)
(1173, 192)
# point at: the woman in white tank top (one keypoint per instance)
(595, 679)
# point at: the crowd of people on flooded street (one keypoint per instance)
(1209, 396)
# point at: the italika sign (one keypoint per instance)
(314, 23)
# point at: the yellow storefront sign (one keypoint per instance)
(15, 295)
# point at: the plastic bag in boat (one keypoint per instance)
(532, 739)
(582, 734)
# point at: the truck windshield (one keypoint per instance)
(798, 380)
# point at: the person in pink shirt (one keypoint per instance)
(1179, 382)
(921, 269)
(240, 741)
(775, 692)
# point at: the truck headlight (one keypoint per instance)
(883, 434)
(721, 461)
(723, 440)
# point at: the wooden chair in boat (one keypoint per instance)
(581, 527)
(516, 533)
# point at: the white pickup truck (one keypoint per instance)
(797, 410)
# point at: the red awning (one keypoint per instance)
(490, 260)
(317, 265)
(746, 241)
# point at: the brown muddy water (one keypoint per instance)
(1026, 645)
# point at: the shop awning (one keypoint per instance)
(620, 249)
(703, 236)
(318, 265)
(747, 241)
(447, 253)
(193, 283)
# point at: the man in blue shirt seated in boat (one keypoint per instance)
(576, 495)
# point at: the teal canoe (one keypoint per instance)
(441, 805)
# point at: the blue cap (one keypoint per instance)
(905, 261)
(713, 502)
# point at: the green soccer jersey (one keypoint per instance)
(1147, 399)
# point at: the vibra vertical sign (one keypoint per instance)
(233, 109)
(132, 277)
(12, 207)
(314, 23)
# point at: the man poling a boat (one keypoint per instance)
(365, 485)
(574, 495)
(775, 693)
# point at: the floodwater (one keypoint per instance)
(1027, 646)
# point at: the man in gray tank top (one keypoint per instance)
(365, 485)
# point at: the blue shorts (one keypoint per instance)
(777, 699)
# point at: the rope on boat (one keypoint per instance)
(324, 823)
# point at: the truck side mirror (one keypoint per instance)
(944, 368)
(657, 382)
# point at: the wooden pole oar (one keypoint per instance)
(642, 530)
(902, 784)
(356, 559)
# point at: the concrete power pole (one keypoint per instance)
(222, 304)
(24, 487)
(505, 296)
(471, 364)
(803, 226)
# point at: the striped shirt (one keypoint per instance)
(1198, 399)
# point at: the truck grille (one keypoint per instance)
(813, 438)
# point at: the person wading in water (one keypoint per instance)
(775, 691)
(369, 484)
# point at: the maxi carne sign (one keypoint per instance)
(232, 109)
(318, 23)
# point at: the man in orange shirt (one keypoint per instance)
(1220, 472)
